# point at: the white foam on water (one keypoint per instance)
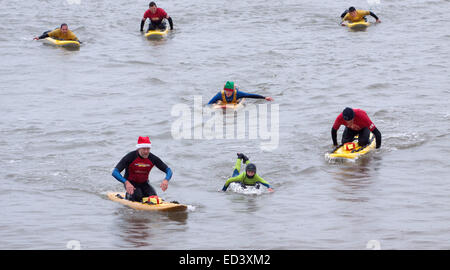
(333, 160)
(249, 190)
(191, 208)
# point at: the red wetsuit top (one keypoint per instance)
(137, 168)
(360, 121)
(156, 17)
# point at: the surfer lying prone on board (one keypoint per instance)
(356, 15)
(137, 165)
(356, 122)
(231, 94)
(62, 33)
(247, 178)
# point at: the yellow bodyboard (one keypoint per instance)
(156, 33)
(62, 43)
(355, 153)
(360, 25)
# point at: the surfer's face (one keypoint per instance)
(153, 9)
(228, 93)
(353, 13)
(144, 152)
(250, 173)
(64, 29)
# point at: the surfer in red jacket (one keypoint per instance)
(156, 16)
(356, 122)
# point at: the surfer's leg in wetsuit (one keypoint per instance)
(237, 166)
(162, 26)
(156, 25)
(363, 137)
(348, 135)
(151, 26)
(237, 169)
(141, 191)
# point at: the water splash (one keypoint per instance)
(248, 190)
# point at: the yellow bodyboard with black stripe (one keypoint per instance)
(352, 153)
(156, 34)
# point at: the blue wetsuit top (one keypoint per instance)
(239, 95)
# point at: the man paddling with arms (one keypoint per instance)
(231, 94)
(62, 33)
(137, 165)
(356, 15)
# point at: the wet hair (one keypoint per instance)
(351, 9)
(64, 24)
(152, 4)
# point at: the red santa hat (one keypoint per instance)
(143, 142)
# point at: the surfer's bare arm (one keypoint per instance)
(129, 187)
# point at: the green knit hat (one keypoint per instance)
(229, 86)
